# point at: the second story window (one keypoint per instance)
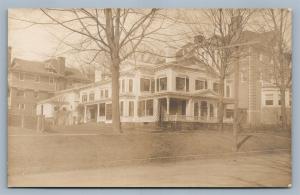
(227, 91)
(101, 93)
(21, 76)
(200, 84)
(144, 84)
(216, 87)
(84, 98)
(92, 96)
(106, 93)
(130, 85)
(162, 84)
(182, 84)
(123, 86)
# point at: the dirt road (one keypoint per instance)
(256, 170)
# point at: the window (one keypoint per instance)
(152, 85)
(102, 109)
(84, 98)
(37, 78)
(123, 86)
(108, 113)
(227, 91)
(101, 93)
(51, 80)
(91, 96)
(269, 100)
(200, 84)
(145, 108)
(162, 84)
(130, 85)
(21, 106)
(35, 94)
(131, 108)
(21, 76)
(21, 93)
(149, 108)
(141, 108)
(211, 110)
(196, 109)
(203, 108)
(180, 84)
(106, 93)
(121, 108)
(144, 84)
(216, 87)
(229, 113)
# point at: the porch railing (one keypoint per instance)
(185, 118)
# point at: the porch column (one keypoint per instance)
(189, 111)
(97, 113)
(168, 105)
(85, 113)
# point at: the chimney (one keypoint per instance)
(9, 56)
(98, 75)
(235, 26)
(170, 53)
(61, 65)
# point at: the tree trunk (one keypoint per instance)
(283, 109)
(221, 104)
(116, 124)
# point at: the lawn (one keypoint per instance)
(55, 152)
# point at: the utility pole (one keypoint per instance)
(236, 101)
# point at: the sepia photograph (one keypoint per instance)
(121, 97)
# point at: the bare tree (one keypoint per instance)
(278, 22)
(214, 44)
(113, 33)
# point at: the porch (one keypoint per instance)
(203, 110)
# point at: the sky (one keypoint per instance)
(40, 42)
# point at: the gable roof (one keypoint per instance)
(33, 66)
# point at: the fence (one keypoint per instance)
(23, 121)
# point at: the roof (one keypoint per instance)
(32, 66)
(73, 73)
(46, 67)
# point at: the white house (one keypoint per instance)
(179, 90)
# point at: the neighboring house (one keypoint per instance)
(256, 78)
(32, 81)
